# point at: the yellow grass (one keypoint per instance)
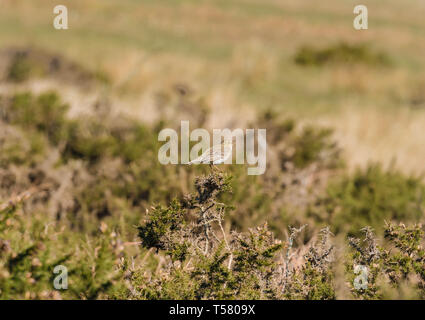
(237, 54)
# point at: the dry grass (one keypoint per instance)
(373, 135)
(237, 55)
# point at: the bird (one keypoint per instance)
(218, 154)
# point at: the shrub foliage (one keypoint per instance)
(90, 194)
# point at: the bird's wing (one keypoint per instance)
(206, 156)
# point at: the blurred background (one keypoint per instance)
(239, 56)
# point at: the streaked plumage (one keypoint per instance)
(215, 155)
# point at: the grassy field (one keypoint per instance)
(239, 56)
(80, 184)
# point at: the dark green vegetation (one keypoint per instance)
(398, 266)
(371, 196)
(29, 62)
(78, 192)
(341, 53)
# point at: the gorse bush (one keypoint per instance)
(195, 256)
(309, 146)
(45, 114)
(130, 148)
(20, 69)
(370, 196)
(88, 139)
(301, 160)
(203, 261)
(111, 150)
(89, 194)
(401, 260)
(31, 247)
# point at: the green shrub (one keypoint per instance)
(206, 262)
(31, 247)
(310, 145)
(20, 69)
(371, 196)
(45, 113)
(401, 259)
(193, 256)
(21, 148)
(222, 268)
(105, 174)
